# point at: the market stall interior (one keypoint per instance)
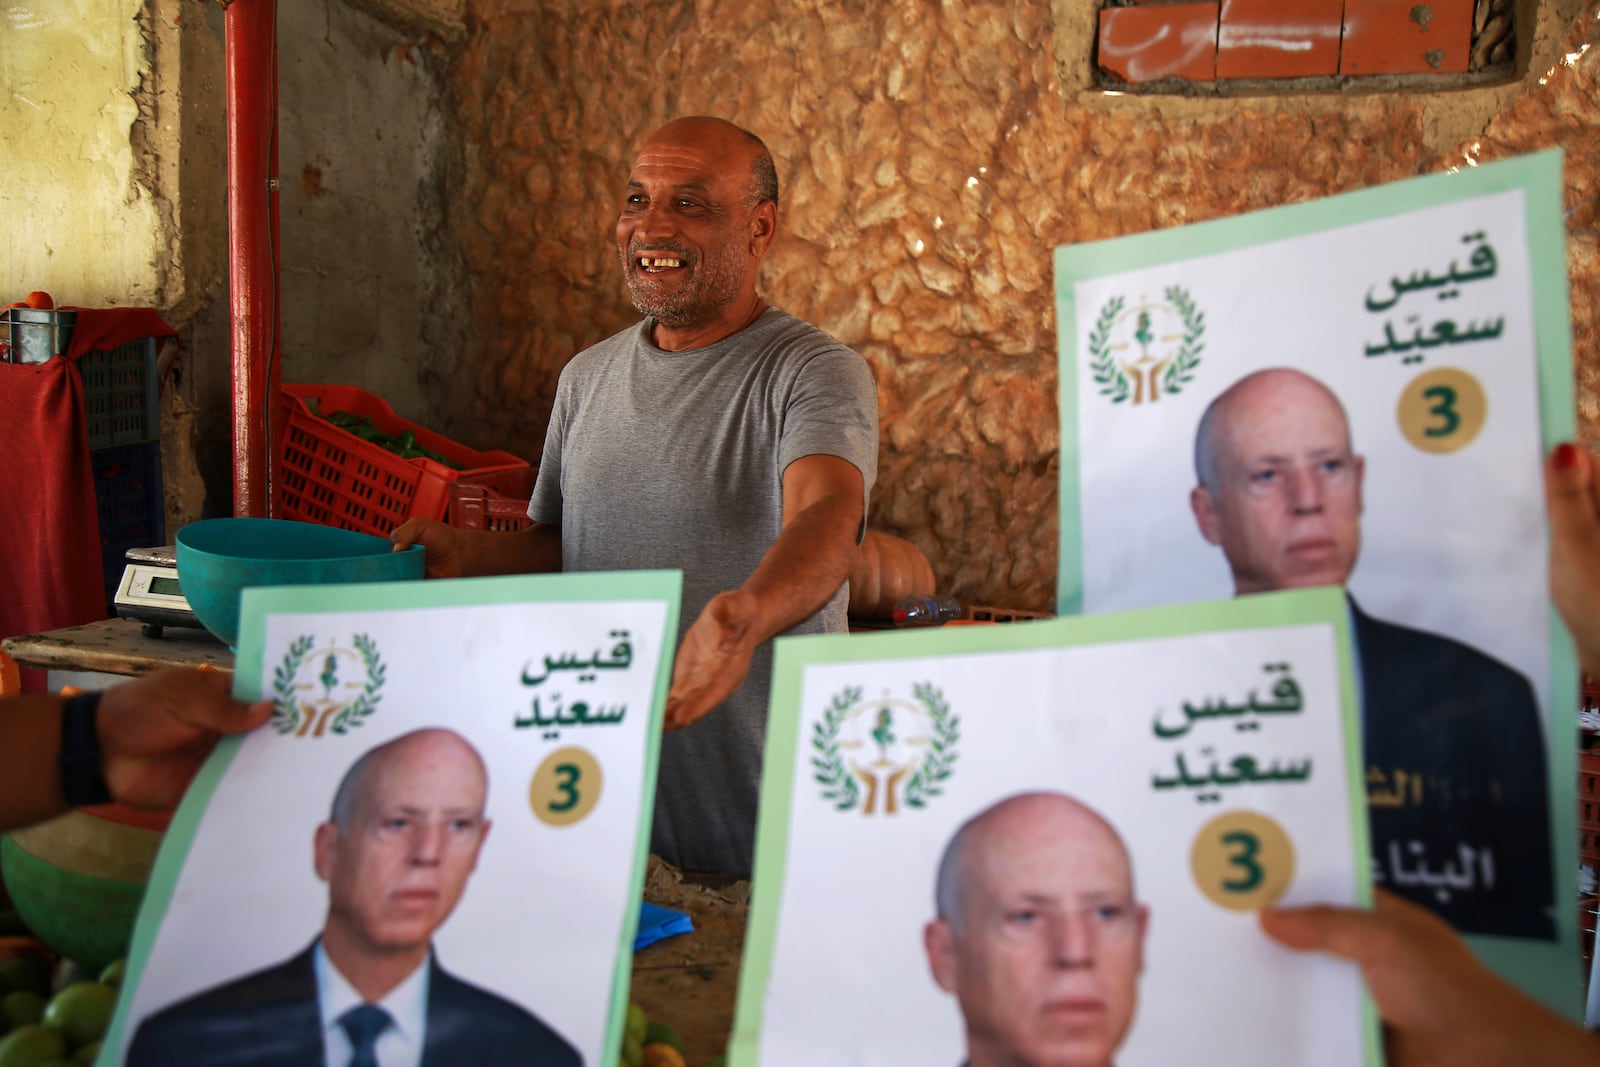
(328, 259)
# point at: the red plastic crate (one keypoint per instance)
(331, 476)
(985, 613)
(1589, 807)
(1589, 788)
(1587, 920)
(500, 503)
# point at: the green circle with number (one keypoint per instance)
(1242, 860)
(566, 787)
(1442, 410)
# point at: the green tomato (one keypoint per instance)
(22, 1007)
(663, 1034)
(633, 1029)
(31, 1046)
(24, 972)
(81, 1011)
(114, 973)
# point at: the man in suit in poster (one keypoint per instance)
(1455, 760)
(404, 835)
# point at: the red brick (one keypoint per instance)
(1155, 41)
(1279, 38)
(1389, 37)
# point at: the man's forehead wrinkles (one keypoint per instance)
(672, 154)
(660, 169)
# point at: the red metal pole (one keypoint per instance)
(252, 71)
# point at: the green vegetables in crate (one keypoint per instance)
(402, 444)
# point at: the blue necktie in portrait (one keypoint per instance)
(363, 1023)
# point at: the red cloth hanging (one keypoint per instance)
(102, 329)
(50, 568)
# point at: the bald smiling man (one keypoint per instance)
(403, 836)
(1454, 754)
(720, 436)
(1039, 934)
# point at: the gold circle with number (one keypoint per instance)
(566, 787)
(1442, 410)
(1242, 860)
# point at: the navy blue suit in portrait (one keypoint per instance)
(1457, 785)
(271, 1019)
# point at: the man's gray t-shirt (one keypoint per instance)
(675, 460)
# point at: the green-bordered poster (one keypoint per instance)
(1047, 842)
(1358, 392)
(433, 852)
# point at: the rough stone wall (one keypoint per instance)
(1565, 111)
(930, 163)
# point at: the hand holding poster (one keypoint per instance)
(433, 850)
(1048, 840)
(1358, 392)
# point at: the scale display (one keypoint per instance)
(150, 592)
(163, 586)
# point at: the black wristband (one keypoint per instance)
(82, 782)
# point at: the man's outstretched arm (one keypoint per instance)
(811, 558)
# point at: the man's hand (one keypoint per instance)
(156, 731)
(442, 543)
(456, 553)
(810, 560)
(714, 658)
(1573, 494)
(1440, 1006)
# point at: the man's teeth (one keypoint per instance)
(658, 262)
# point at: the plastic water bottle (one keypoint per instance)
(925, 610)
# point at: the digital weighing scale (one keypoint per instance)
(149, 591)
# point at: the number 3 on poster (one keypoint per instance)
(1242, 860)
(566, 787)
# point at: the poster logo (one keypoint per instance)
(880, 755)
(326, 690)
(1147, 350)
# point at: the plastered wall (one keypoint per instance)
(931, 159)
(78, 223)
(114, 115)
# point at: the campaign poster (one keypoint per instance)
(1048, 842)
(445, 821)
(1359, 392)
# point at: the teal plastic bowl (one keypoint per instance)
(219, 558)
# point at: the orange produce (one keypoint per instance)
(660, 1055)
(10, 676)
(887, 568)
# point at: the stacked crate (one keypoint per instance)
(334, 477)
(122, 407)
(493, 504)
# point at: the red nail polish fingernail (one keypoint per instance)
(1566, 455)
